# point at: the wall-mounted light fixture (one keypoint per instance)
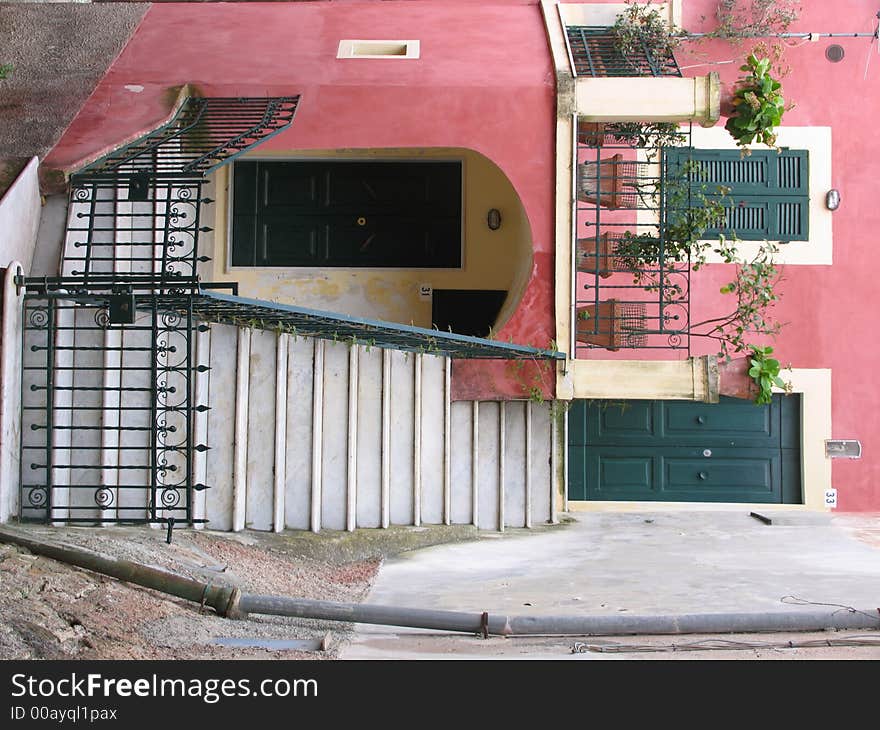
(493, 219)
(832, 199)
(835, 53)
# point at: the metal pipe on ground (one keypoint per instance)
(221, 598)
(230, 602)
(503, 625)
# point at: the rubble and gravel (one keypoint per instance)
(49, 610)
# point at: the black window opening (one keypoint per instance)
(768, 190)
(466, 312)
(346, 213)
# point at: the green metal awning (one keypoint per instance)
(260, 314)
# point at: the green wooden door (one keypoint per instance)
(681, 451)
(768, 194)
(347, 213)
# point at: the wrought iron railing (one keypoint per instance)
(107, 411)
(631, 275)
(203, 134)
(109, 365)
(595, 52)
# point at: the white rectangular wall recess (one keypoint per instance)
(843, 449)
(378, 49)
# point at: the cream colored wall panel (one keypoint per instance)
(300, 389)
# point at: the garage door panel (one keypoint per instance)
(622, 476)
(732, 422)
(577, 474)
(736, 422)
(721, 479)
(682, 451)
(792, 482)
(619, 422)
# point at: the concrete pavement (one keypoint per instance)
(660, 562)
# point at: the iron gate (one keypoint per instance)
(108, 366)
(107, 411)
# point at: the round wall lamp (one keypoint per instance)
(834, 53)
(493, 219)
(832, 199)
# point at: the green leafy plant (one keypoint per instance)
(758, 104)
(764, 371)
(5, 70)
(647, 134)
(691, 208)
(642, 28)
(755, 291)
(651, 137)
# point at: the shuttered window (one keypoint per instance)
(769, 191)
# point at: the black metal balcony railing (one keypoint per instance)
(203, 134)
(595, 53)
(631, 276)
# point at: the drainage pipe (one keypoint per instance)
(230, 602)
(221, 598)
(614, 625)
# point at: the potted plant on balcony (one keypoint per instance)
(650, 136)
(690, 209)
(755, 106)
(643, 29)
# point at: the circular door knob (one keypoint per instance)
(703, 475)
(361, 221)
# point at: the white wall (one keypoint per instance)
(20, 218)
(19, 222)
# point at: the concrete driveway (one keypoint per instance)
(662, 562)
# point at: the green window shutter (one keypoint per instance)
(768, 194)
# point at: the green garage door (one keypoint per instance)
(681, 451)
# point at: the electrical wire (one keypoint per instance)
(868, 60)
(853, 640)
(795, 601)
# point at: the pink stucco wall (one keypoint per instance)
(484, 81)
(829, 310)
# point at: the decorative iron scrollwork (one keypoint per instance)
(38, 497)
(104, 498)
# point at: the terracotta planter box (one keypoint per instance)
(726, 107)
(611, 182)
(596, 255)
(734, 380)
(591, 134)
(612, 325)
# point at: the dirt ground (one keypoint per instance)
(49, 610)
